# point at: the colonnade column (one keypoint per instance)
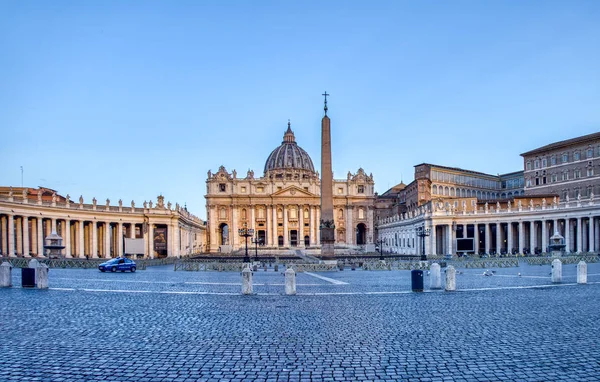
(119, 239)
(34, 236)
(567, 236)
(532, 237)
(521, 237)
(233, 233)
(269, 226)
(450, 237)
(285, 227)
(433, 248)
(107, 240)
(81, 226)
(94, 228)
(3, 228)
(579, 236)
(476, 237)
(544, 235)
(509, 238)
(498, 238)
(68, 239)
(488, 238)
(26, 236)
(150, 240)
(311, 225)
(11, 236)
(19, 240)
(591, 244)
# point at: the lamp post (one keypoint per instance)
(246, 232)
(422, 233)
(380, 243)
(256, 241)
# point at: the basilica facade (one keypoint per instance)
(283, 206)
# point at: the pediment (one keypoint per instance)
(293, 192)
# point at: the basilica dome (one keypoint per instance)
(289, 157)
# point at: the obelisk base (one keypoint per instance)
(327, 243)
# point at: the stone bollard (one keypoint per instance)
(353, 266)
(255, 268)
(5, 274)
(247, 280)
(290, 282)
(556, 271)
(276, 268)
(581, 272)
(450, 278)
(436, 278)
(41, 276)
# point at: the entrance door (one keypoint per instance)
(361, 234)
(294, 238)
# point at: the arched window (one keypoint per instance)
(434, 190)
(243, 214)
(340, 213)
(576, 155)
(446, 191)
(452, 191)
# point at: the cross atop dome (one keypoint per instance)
(289, 134)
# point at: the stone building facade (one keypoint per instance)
(29, 215)
(283, 205)
(569, 168)
(497, 214)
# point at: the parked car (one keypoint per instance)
(119, 264)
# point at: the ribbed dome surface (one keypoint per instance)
(289, 155)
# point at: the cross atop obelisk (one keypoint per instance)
(327, 225)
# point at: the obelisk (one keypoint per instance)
(327, 225)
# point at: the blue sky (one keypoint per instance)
(131, 99)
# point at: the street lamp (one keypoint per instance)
(380, 243)
(246, 232)
(422, 233)
(256, 241)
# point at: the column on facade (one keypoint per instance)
(579, 236)
(267, 225)
(349, 227)
(26, 236)
(253, 218)
(521, 237)
(176, 241)
(67, 239)
(11, 235)
(488, 237)
(311, 225)
(234, 236)
(275, 227)
(301, 226)
(498, 238)
(318, 225)
(151, 240)
(591, 244)
(286, 238)
(544, 236)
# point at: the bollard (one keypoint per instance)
(41, 276)
(290, 282)
(5, 274)
(341, 266)
(416, 276)
(255, 267)
(581, 272)
(556, 271)
(353, 266)
(265, 268)
(450, 278)
(247, 280)
(276, 268)
(436, 278)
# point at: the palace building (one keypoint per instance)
(283, 206)
(449, 210)
(29, 215)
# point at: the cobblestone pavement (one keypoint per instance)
(160, 325)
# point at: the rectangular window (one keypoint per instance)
(565, 158)
(361, 189)
(222, 187)
(576, 156)
(554, 178)
(340, 190)
(590, 153)
(590, 172)
(544, 162)
(553, 161)
(260, 189)
(243, 189)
